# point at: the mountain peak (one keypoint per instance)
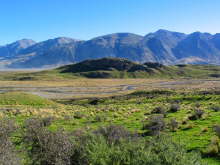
(198, 33)
(64, 40)
(23, 43)
(163, 31)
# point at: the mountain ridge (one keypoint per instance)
(163, 46)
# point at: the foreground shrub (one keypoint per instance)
(47, 147)
(112, 145)
(95, 150)
(8, 155)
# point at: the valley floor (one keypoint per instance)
(91, 103)
(79, 88)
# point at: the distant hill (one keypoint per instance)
(110, 68)
(123, 68)
(105, 64)
(162, 46)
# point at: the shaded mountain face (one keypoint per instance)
(163, 46)
(114, 45)
(158, 46)
(199, 45)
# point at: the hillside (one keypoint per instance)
(122, 68)
(162, 46)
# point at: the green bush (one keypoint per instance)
(112, 145)
(95, 150)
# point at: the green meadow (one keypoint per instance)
(189, 118)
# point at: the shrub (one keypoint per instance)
(155, 125)
(211, 150)
(213, 147)
(169, 152)
(112, 145)
(45, 147)
(216, 108)
(78, 115)
(174, 108)
(47, 121)
(158, 110)
(198, 113)
(185, 120)
(8, 155)
(173, 124)
(100, 118)
(217, 130)
(94, 149)
(94, 102)
(113, 133)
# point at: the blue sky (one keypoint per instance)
(84, 19)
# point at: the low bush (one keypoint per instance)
(173, 125)
(174, 108)
(213, 147)
(159, 110)
(197, 114)
(155, 125)
(100, 118)
(96, 101)
(79, 115)
(216, 108)
(216, 128)
(113, 134)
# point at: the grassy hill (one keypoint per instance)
(20, 98)
(122, 68)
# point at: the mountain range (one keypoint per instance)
(163, 46)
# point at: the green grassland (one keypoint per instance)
(170, 72)
(189, 115)
(18, 98)
(131, 111)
